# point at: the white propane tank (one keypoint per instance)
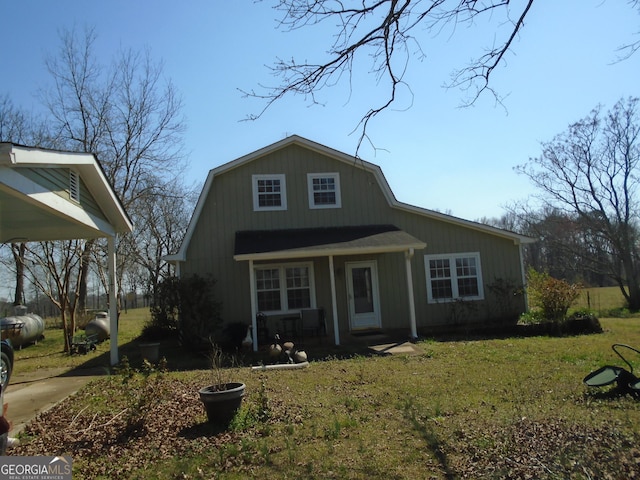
(22, 328)
(99, 326)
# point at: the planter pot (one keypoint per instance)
(221, 402)
(150, 351)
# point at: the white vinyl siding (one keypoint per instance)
(455, 276)
(285, 288)
(324, 190)
(269, 192)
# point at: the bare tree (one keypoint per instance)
(590, 174)
(14, 125)
(55, 267)
(126, 114)
(390, 34)
(161, 231)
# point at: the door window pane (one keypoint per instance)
(362, 290)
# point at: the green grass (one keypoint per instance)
(49, 352)
(603, 299)
(491, 408)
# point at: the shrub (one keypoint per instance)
(164, 310)
(582, 322)
(550, 295)
(199, 311)
(532, 317)
(186, 305)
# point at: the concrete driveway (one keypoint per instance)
(30, 394)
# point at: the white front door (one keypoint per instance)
(362, 293)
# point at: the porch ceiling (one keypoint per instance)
(322, 242)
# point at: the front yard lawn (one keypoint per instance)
(491, 408)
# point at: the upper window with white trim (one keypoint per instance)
(269, 192)
(455, 276)
(284, 288)
(324, 190)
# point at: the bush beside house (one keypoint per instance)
(186, 306)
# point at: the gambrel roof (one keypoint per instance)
(348, 159)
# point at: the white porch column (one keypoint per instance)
(254, 307)
(408, 255)
(334, 302)
(113, 300)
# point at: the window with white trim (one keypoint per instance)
(455, 276)
(324, 190)
(269, 192)
(284, 288)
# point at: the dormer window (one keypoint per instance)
(324, 190)
(269, 192)
(74, 186)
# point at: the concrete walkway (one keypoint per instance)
(30, 394)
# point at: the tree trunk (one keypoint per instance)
(65, 328)
(85, 261)
(634, 296)
(18, 256)
(632, 282)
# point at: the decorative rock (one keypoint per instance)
(300, 356)
(275, 350)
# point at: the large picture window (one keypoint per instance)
(284, 288)
(269, 192)
(453, 276)
(324, 190)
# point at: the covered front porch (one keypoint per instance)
(354, 249)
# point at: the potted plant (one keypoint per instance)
(222, 398)
(149, 341)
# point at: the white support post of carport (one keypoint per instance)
(254, 308)
(334, 303)
(113, 301)
(408, 256)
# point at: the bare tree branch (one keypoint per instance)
(388, 34)
(383, 30)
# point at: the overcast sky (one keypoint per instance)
(434, 154)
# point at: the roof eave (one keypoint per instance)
(327, 252)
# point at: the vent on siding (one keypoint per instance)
(74, 186)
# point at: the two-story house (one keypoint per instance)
(298, 225)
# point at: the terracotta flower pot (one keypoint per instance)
(221, 402)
